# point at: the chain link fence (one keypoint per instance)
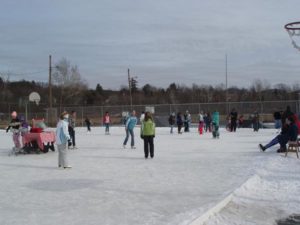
(161, 112)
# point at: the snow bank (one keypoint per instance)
(269, 195)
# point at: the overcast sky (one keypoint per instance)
(161, 41)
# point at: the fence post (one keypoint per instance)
(82, 116)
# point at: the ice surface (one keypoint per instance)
(109, 185)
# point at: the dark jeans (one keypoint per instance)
(179, 128)
(72, 135)
(106, 127)
(148, 142)
(127, 136)
(233, 126)
(88, 127)
(282, 139)
(255, 126)
(215, 131)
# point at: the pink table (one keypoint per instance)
(40, 138)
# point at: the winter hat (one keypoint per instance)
(14, 114)
(64, 115)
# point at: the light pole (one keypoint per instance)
(226, 85)
(129, 86)
(50, 92)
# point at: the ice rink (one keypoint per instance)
(192, 179)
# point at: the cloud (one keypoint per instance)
(163, 41)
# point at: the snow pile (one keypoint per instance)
(270, 195)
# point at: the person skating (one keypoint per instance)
(187, 120)
(88, 124)
(142, 117)
(215, 124)
(106, 122)
(201, 123)
(14, 127)
(277, 119)
(129, 127)
(172, 121)
(148, 134)
(179, 122)
(255, 121)
(62, 138)
(233, 120)
(207, 121)
(71, 128)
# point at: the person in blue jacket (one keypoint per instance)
(129, 126)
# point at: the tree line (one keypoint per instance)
(70, 89)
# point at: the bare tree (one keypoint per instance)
(69, 80)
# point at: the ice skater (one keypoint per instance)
(187, 121)
(207, 121)
(201, 123)
(88, 124)
(255, 121)
(14, 126)
(71, 128)
(179, 122)
(148, 134)
(106, 122)
(129, 126)
(172, 121)
(215, 124)
(233, 120)
(62, 138)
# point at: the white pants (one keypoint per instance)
(62, 155)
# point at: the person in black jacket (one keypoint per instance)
(277, 118)
(14, 126)
(286, 114)
(289, 132)
(179, 122)
(172, 122)
(233, 119)
(88, 124)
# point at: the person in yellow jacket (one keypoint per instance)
(148, 134)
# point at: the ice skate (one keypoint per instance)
(261, 147)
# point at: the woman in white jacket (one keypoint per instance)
(62, 137)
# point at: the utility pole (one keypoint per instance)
(50, 92)
(226, 85)
(129, 86)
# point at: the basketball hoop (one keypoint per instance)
(293, 30)
(35, 97)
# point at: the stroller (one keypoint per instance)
(38, 145)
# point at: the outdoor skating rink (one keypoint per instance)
(192, 179)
